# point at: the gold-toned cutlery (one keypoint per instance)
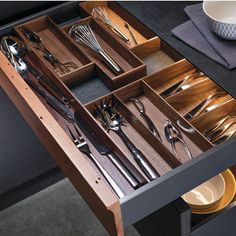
(184, 84)
(219, 123)
(224, 137)
(204, 107)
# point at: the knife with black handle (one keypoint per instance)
(51, 100)
(47, 84)
(126, 168)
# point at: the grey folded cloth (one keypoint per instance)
(197, 33)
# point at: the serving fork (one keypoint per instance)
(82, 145)
(219, 133)
(112, 120)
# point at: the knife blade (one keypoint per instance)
(125, 167)
(192, 113)
(169, 90)
(46, 83)
(51, 100)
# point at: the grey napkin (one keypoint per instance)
(197, 34)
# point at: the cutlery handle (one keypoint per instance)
(109, 179)
(47, 83)
(141, 160)
(130, 173)
(52, 101)
(150, 125)
(110, 62)
(122, 36)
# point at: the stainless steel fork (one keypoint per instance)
(184, 84)
(219, 124)
(216, 134)
(82, 145)
(204, 107)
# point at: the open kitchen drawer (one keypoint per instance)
(51, 128)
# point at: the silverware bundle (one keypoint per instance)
(100, 14)
(14, 50)
(82, 145)
(37, 43)
(185, 83)
(205, 106)
(113, 121)
(222, 130)
(84, 34)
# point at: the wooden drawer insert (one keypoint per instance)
(51, 128)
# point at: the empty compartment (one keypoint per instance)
(90, 88)
(68, 60)
(156, 55)
(131, 67)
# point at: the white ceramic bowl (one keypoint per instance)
(207, 194)
(222, 17)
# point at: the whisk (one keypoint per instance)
(100, 14)
(84, 34)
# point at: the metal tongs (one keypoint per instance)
(173, 136)
(140, 107)
(183, 84)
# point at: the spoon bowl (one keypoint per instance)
(14, 49)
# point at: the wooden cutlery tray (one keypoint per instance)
(186, 100)
(51, 128)
(56, 42)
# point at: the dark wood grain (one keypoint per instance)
(132, 67)
(56, 42)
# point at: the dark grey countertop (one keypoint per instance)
(163, 16)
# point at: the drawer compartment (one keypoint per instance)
(56, 43)
(119, 16)
(155, 53)
(131, 67)
(52, 130)
(114, 212)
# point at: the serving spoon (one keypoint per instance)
(14, 49)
